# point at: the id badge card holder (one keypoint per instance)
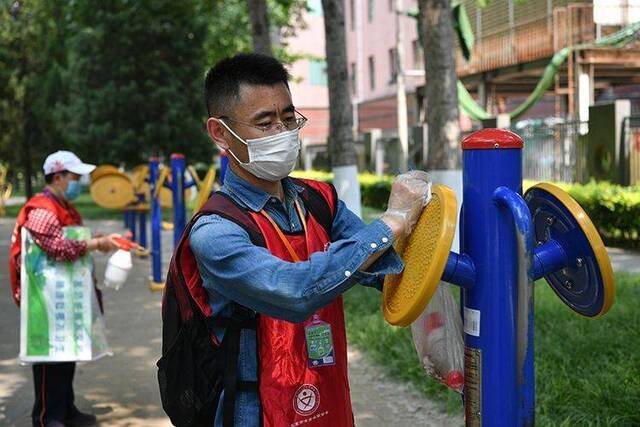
(319, 343)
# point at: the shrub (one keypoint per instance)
(374, 189)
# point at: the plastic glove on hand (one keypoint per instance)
(425, 177)
(410, 193)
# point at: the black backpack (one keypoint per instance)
(195, 368)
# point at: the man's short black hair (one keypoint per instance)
(223, 80)
(48, 178)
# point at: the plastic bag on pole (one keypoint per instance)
(437, 336)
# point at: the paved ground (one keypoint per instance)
(122, 390)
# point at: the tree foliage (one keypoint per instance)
(118, 80)
(135, 80)
(32, 58)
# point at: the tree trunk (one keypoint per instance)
(259, 17)
(342, 152)
(441, 92)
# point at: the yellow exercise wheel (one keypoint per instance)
(113, 191)
(425, 254)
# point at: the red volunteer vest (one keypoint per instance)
(291, 392)
(66, 215)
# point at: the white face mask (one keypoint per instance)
(271, 158)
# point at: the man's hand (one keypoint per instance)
(410, 193)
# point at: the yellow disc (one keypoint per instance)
(113, 191)
(405, 296)
(103, 170)
(166, 197)
(592, 235)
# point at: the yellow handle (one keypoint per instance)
(164, 173)
(194, 176)
(7, 192)
(205, 189)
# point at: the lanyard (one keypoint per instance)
(284, 240)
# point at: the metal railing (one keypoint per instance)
(528, 41)
(631, 138)
(552, 151)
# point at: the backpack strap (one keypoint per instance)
(241, 318)
(223, 205)
(320, 199)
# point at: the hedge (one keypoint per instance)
(374, 189)
(614, 209)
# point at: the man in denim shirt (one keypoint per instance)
(253, 119)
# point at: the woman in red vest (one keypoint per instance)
(44, 215)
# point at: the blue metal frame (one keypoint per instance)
(156, 222)
(488, 237)
(507, 243)
(507, 198)
(177, 187)
(548, 257)
(142, 222)
(459, 270)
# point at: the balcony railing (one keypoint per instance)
(536, 39)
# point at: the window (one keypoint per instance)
(370, 9)
(352, 77)
(418, 55)
(318, 72)
(352, 14)
(372, 73)
(393, 65)
(315, 7)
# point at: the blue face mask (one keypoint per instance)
(73, 190)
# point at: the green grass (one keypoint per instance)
(587, 371)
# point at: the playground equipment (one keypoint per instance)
(114, 189)
(5, 189)
(507, 242)
(173, 181)
(149, 188)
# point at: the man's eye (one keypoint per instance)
(265, 124)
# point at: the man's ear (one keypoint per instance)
(217, 132)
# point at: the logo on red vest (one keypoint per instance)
(306, 399)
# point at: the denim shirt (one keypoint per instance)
(233, 269)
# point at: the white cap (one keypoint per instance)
(66, 161)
